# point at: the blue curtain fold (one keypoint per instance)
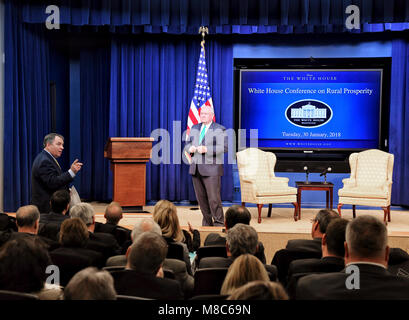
(399, 121)
(184, 16)
(94, 99)
(26, 105)
(151, 87)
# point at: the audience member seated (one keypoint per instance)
(235, 214)
(90, 284)
(244, 269)
(113, 214)
(241, 239)
(73, 256)
(143, 276)
(27, 219)
(332, 256)
(50, 223)
(98, 241)
(23, 265)
(176, 266)
(259, 290)
(165, 214)
(7, 223)
(303, 248)
(365, 275)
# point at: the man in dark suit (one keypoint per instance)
(98, 241)
(332, 256)
(207, 143)
(27, 219)
(318, 229)
(235, 214)
(365, 275)
(50, 223)
(46, 174)
(143, 276)
(113, 214)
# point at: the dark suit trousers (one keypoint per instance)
(207, 191)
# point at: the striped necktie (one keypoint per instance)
(202, 134)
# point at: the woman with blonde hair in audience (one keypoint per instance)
(244, 269)
(259, 290)
(165, 214)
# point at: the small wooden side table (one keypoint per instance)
(319, 186)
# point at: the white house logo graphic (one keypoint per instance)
(308, 113)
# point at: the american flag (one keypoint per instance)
(201, 94)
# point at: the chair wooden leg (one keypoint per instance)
(387, 213)
(353, 211)
(269, 209)
(243, 204)
(259, 206)
(339, 208)
(297, 214)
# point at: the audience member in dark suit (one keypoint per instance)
(178, 267)
(241, 239)
(332, 256)
(27, 220)
(165, 215)
(319, 227)
(46, 174)
(143, 276)
(365, 275)
(235, 214)
(7, 223)
(303, 248)
(90, 284)
(23, 264)
(50, 222)
(101, 242)
(113, 214)
(73, 255)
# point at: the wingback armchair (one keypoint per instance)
(370, 183)
(259, 184)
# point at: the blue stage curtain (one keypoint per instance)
(399, 121)
(226, 16)
(26, 107)
(94, 97)
(152, 82)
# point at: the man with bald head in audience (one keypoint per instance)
(113, 214)
(28, 221)
(365, 276)
(206, 144)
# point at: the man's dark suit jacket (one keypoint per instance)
(375, 283)
(46, 178)
(220, 262)
(53, 217)
(210, 163)
(50, 224)
(215, 239)
(305, 245)
(104, 243)
(132, 283)
(48, 243)
(304, 267)
(122, 235)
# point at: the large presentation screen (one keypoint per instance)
(312, 109)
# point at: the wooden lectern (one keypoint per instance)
(128, 164)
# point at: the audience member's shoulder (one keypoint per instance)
(214, 239)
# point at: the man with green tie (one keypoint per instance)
(207, 143)
(46, 174)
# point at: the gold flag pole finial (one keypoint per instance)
(203, 30)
